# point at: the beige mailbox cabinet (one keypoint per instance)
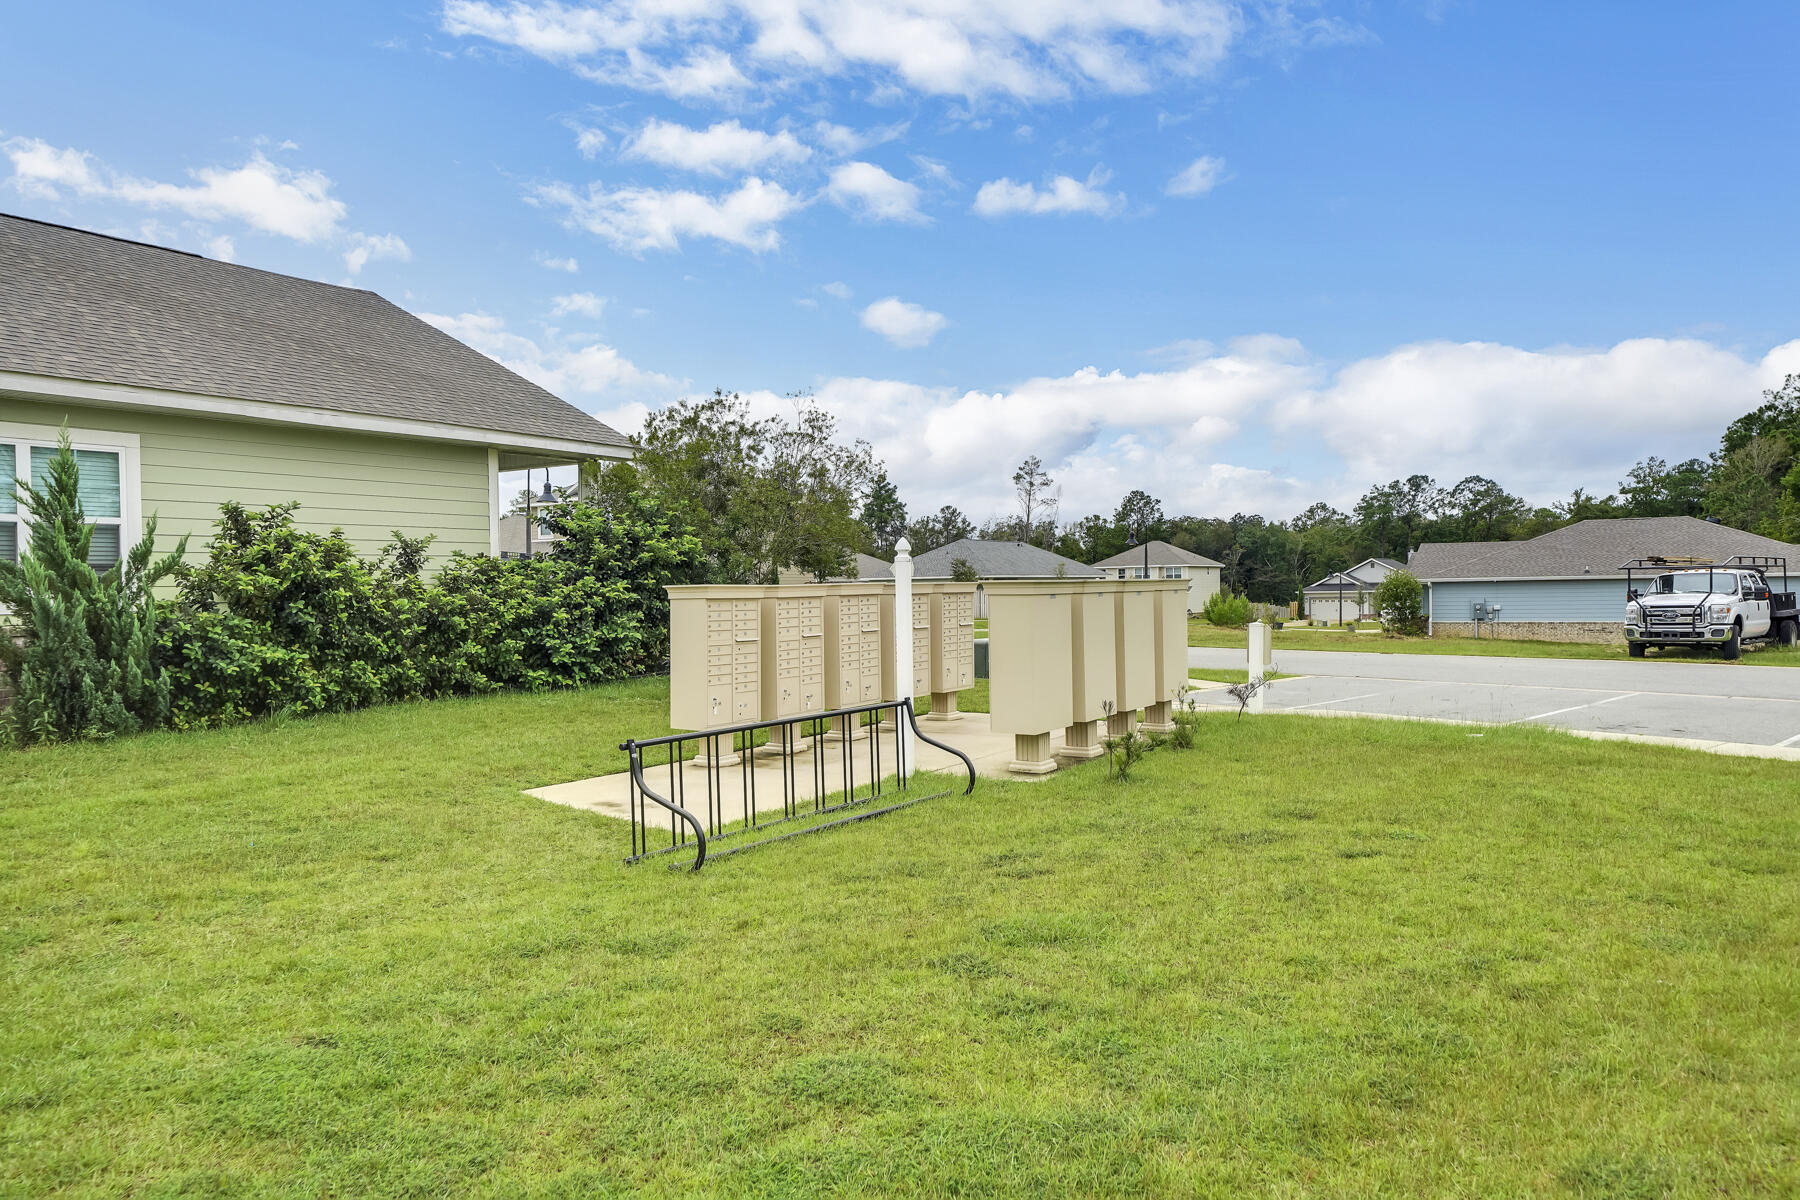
(852, 645)
(794, 658)
(715, 677)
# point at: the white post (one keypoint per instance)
(1259, 654)
(903, 647)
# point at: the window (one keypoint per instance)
(1174, 572)
(108, 493)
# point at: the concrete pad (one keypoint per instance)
(777, 783)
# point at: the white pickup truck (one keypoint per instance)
(1686, 602)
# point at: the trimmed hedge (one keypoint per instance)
(279, 619)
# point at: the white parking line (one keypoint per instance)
(1789, 741)
(1557, 712)
(1339, 700)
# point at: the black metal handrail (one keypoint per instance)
(800, 734)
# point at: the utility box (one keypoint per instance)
(852, 644)
(793, 619)
(1030, 648)
(893, 686)
(1170, 600)
(715, 656)
(1135, 615)
(1094, 680)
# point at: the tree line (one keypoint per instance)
(769, 493)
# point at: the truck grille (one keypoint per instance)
(1671, 616)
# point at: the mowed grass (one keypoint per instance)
(1308, 958)
(1204, 633)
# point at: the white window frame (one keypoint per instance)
(23, 438)
(1174, 572)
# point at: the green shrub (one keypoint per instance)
(279, 619)
(1223, 608)
(78, 645)
(1400, 603)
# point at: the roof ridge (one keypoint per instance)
(125, 241)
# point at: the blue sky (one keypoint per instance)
(1245, 255)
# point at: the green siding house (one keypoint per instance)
(185, 382)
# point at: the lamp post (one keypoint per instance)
(1131, 540)
(546, 499)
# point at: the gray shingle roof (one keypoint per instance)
(1597, 547)
(1000, 560)
(84, 306)
(1162, 554)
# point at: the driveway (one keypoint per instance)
(1701, 702)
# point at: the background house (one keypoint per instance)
(1566, 585)
(867, 567)
(512, 537)
(1167, 562)
(185, 382)
(999, 560)
(1348, 595)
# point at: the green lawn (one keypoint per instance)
(1203, 633)
(1308, 958)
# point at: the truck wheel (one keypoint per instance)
(1733, 646)
(1789, 634)
(1635, 649)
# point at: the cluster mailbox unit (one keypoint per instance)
(794, 659)
(1068, 654)
(852, 650)
(952, 645)
(740, 654)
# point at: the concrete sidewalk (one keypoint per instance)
(815, 772)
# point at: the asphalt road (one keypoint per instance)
(1712, 702)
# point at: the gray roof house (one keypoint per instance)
(1333, 599)
(1566, 585)
(186, 382)
(1167, 562)
(999, 560)
(867, 567)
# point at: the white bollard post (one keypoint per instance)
(903, 647)
(1259, 654)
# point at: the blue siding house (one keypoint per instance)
(1566, 585)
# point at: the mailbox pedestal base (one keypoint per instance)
(1158, 719)
(943, 707)
(777, 746)
(846, 729)
(726, 757)
(1081, 741)
(1121, 723)
(1031, 754)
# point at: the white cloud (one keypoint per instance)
(844, 141)
(710, 49)
(552, 263)
(573, 369)
(222, 248)
(1542, 422)
(589, 141)
(903, 323)
(364, 248)
(868, 191)
(1198, 177)
(584, 304)
(640, 219)
(1260, 425)
(264, 195)
(1062, 196)
(717, 150)
(839, 289)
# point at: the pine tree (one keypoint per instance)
(79, 654)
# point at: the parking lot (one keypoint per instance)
(1715, 704)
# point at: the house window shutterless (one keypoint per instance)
(108, 488)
